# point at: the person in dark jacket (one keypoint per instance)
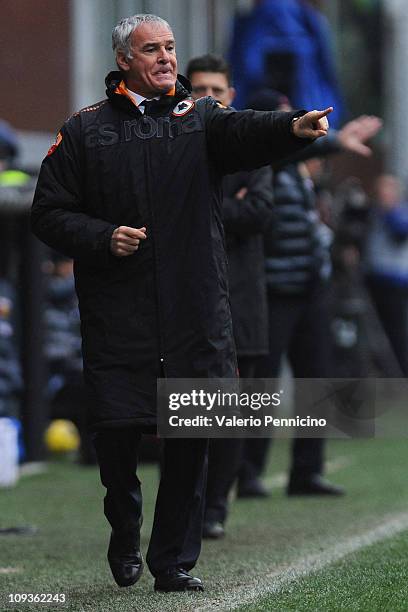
(131, 191)
(246, 213)
(298, 268)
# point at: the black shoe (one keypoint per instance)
(313, 485)
(252, 488)
(177, 579)
(125, 560)
(213, 530)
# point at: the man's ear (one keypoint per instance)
(232, 93)
(122, 61)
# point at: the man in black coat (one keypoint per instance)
(131, 190)
(246, 213)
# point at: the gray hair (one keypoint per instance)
(122, 32)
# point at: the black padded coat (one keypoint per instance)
(165, 309)
(245, 222)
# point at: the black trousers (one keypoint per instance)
(224, 460)
(299, 327)
(176, 535)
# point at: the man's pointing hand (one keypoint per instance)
(125, 240)
(312, 125)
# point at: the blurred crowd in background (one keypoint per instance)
(313, 228)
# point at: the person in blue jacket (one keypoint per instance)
(285, 45)
(386, 263)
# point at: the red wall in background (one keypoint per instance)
(34, 63)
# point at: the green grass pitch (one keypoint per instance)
(265, 541)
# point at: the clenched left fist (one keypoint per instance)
(125, 240)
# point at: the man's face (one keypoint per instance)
(153, 68)
(213, 84)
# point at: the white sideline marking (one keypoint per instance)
(280, 479)
(273, 582)
(33, 468)
(9, 570)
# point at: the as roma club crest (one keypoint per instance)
(183, 107)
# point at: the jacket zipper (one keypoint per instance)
(156, 260)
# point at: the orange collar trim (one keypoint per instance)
(122, 90)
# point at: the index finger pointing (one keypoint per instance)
(324, 113)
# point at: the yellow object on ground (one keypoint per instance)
(62, 436)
